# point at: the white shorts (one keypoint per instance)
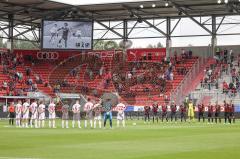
(26, 116)
(52, 115)
(120, 116)
(41, 116)
(99, 117)
(34, 116)
(18, 115)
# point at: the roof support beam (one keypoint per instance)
(109, 28)
(35, 36)
(220, 23)
(154, 27)
(175, 26)
(144, 20)
(3, 30)
(27, 39)
(189, 16)
(132, 28)
(21, 33)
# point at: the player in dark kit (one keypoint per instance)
(173, 112)
(226, 112)
(147, 113)
(201, 112)
(231, 114)
(65, 31)
(210, 113)
(183, 111)
(155, 112)
(164, 112)
(217, 113)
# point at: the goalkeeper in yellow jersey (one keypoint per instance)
(190, 111)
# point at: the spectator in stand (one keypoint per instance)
(37, 78)
(29, 82)
(225, 56)
(21, 59)
(175, 57)
(108, 78)
(4, 85)
(171, 76)
(46, 84)
(233, 74)
(225, 87)
(90, 74)
(65, 83)
(129, 76)
(73, 72)
(101, 71)
(34, 87)
(28, 71)
(120, 87)
(231, 56)
(58, 87)
(190, 54)
(134, 71)
(5, 69)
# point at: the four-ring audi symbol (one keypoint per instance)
(47, 55)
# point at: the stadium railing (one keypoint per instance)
(181, 91)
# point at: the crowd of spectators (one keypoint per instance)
(233, 86)
(18, 82)
(225, 65)
(211, 76)
(128, 77)
(147, 77)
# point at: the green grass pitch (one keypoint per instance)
(153, 141)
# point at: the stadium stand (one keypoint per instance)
(92, 75)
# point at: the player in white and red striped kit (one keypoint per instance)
(121, 115)
(25, 113)
(34, 117)
(18, 113)
(41, 115)
(88, 109)
(52, 114)
(97, 109)
(76, 114)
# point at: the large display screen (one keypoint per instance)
(72, 35)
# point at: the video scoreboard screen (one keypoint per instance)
(72, 35)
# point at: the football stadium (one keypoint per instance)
(119, 79)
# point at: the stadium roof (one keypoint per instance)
(33, 11)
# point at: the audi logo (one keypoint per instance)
(47, 55)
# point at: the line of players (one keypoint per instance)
(33, 114)
(172, 112)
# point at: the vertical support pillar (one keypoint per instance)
(168, 40)
(125, 38)
(40, 36)
(125, 30)
(10, 31)
(214, 36)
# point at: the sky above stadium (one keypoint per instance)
(85, 2)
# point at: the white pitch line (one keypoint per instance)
(17, 158)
